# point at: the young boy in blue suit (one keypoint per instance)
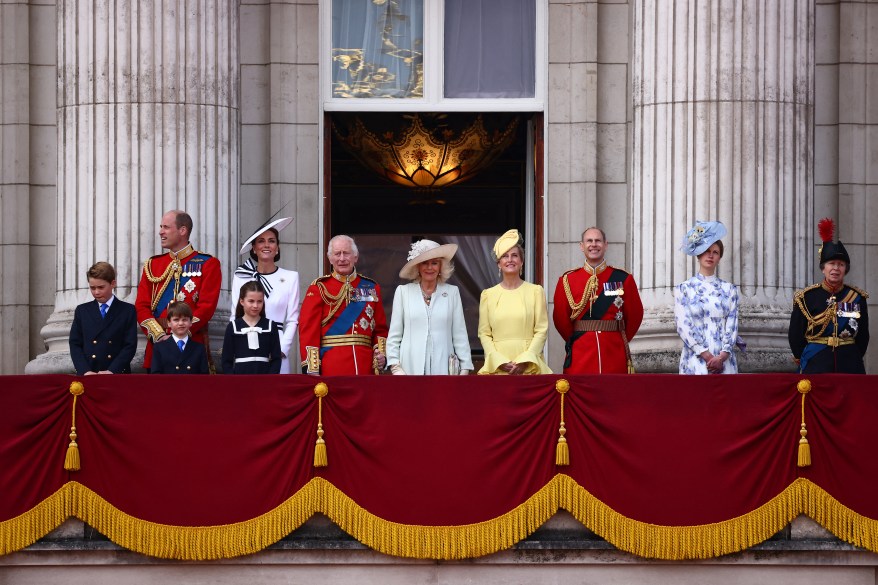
(179, 353)
(103, 337)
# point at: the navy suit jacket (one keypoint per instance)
(107, 343)
(168, 359)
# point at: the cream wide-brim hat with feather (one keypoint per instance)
(424, 250)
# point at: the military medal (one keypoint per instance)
(181, 297)
(850, 310)
(189, 286)
(613, 289)
(365, 295)
(363, 323)
(370, 311)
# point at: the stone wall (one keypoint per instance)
(561, 551)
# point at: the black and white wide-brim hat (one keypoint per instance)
(277, 224)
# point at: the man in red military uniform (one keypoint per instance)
(181, 275)
(597, 312)
(342, 327)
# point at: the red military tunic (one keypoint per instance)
(188, 276)
(593, 347)
(341, 322)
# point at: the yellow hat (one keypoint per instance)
(506, 242)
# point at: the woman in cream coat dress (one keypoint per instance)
(427, 330)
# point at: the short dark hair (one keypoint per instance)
(276, 235)
(250, 286)
(102, 271)
(183, 219)
(179, 309)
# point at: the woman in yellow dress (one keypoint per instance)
(513, 319)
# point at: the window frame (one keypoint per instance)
(434, 99)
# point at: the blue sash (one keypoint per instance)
(168, 294)
(810, 351)
(345, 321)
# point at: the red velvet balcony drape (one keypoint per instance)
(661, 465)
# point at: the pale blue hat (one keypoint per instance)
(702, 236)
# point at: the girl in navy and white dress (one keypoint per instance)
(252, 341)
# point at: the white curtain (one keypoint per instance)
(377, 48)
(490, 48)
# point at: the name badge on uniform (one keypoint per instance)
(613, 289)
(364, 295)
(849, 310)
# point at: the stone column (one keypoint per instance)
(14, 185)
(147, 121)
(723, 96)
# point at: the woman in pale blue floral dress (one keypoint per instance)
(705, 307)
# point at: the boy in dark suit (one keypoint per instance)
(103, 337)
(179, 353)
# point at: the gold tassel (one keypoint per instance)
(562, 451)
(320, 459)
(71, 460)
(804, 459)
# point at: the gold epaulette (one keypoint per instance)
(800, 294)
(319, 278)
(361, 275)
(859, 291)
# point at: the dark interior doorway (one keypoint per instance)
(385, 218)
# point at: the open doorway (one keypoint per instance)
(385, 217)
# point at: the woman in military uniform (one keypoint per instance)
(829, 326)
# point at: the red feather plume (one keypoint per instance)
(826, 229)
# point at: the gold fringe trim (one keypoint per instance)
(25, 529)
(440, 542)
